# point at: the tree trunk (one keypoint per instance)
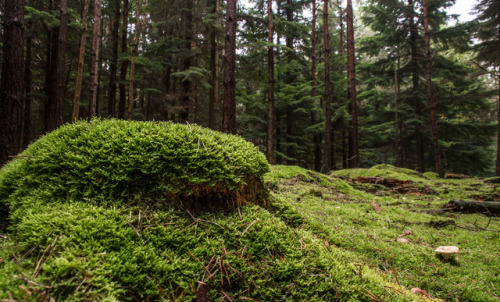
(28, 79)
(123, 68)
(135, 43)
(316, 137)
(396, 113)
(113, 66)
(353, 107)
(94, 57)
(415, 84)
(328, 105)
(79, 73)
(270, 84)
(11, 85)
(229, 115)
(430, 94)
(213, 68)
(186, 64)
(498, 130)
(55, 94)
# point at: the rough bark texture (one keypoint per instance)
(351, 74)
(270, 84)
(396, 113)
(430, 94)
(28, 79)
(214, 81)
(498, 132)
(11, 85)
(79, 73)
(316, 137)
(328, 105)
(122, 103)
(94, 57)
(415, 87)
(229, 115)
(135, 43)
(113, 66)
(187, 62)
(55, 89)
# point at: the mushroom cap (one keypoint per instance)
(447, 250)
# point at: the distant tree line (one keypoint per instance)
(316, 84)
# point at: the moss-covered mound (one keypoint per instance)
(114, 161)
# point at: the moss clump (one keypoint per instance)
(112, 161)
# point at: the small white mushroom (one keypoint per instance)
(447, 251)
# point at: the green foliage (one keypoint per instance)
(113, 161)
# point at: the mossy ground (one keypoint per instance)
(318, 238)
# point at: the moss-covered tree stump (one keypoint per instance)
(111, 162)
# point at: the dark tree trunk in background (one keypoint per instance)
(94, 58)
(214, 81)
(328, 105)
(113, 66)
(396, 113)
(81, 56)
(316, 137)
(229, 115)
(498, 131)
(351, 74)
(122, 103)
(415, 83)
(430, 93)
(55, 93)
(28, 81)
(11, 85)
(270, 84)
(135, 44)
(186, 64)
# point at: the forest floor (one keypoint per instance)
(391, 220)
(353, 235)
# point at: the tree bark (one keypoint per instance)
(135, 43)
(11, 85)
(214, 81)
(122, 103)
(81, 56)
(186, 64)
(351, 70)
(430, 94)
(28, 80)
(54, 106)
(396, 113)
(270, 84)
(113, 66)
(316, 137)
(415, 87)
(498, 130)
(94, 57)
(229, 115)
(328, 105)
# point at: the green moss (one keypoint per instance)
(114, 161)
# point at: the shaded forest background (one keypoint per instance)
(318, 85)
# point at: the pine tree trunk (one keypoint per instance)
(270, 84)
(79, 73)
(122, 103)
(353, 107)
(11, 84)
(186, 64)
(213, 69)
(415, 87)
(135, 44)
(316, 137)
(229, 114)
(113, 66)
(28, 80)
(328, 105)
(396, 113)
(55, 94)
(430, 94)
(94, 57)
